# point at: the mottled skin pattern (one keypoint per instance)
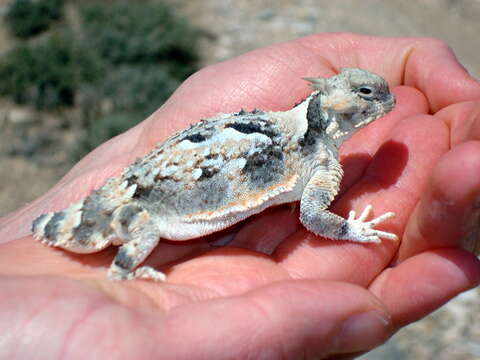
(224, 169)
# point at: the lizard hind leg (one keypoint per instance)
(139, 235)
(85, 226)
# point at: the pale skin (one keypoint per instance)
(311, 298)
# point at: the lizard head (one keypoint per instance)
(350, 100)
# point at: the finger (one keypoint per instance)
(394, 181)
(357, 152)
(283, 320)
(448, 205)
(463, 119)
(424, 282)
(424, 63)
(448, 211)
(433, 68)
(90, 327)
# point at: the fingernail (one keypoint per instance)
(363, 331)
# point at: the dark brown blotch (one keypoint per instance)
(51, 229)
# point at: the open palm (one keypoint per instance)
(276, 290)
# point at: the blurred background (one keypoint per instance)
(75, 73)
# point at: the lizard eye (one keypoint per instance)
(365, 92)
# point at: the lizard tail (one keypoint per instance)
(58, 228)
(84, 226)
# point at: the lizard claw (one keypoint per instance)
(362, 230)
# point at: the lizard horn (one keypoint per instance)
(316, 83)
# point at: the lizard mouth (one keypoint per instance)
(389, 103)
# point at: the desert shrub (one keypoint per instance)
(49, 73)
(148, 51)
(148, 31)
(131, 87)
(121, 62)
(27, 18)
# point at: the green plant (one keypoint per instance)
(27, 18)
(47, 74)
(132, 87)
(149, 51)
(117, 65)
(146, 31)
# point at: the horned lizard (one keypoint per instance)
(224, 169)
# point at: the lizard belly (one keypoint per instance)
(202, 223)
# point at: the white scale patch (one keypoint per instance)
(226, 135)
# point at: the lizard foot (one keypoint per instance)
(144, 272)
(360, 230)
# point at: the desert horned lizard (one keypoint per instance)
(225, 169)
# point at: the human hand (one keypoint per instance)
(311, 298)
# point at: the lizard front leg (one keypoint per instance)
(317, 196)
